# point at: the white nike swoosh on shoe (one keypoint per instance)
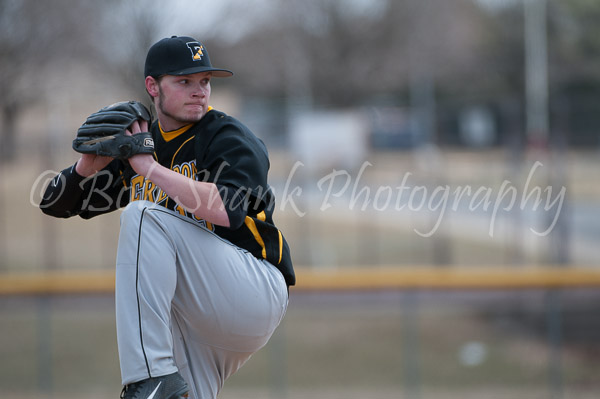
(154, 392)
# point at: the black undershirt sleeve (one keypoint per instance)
(70, 194)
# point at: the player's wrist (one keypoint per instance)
(83, 168)
(144, 165)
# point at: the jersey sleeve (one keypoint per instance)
(70, 194)
(238, 164)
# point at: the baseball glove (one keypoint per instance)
(103, 132)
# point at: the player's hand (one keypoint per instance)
(90, 164)
(141, 163)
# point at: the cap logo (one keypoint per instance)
(196, 49)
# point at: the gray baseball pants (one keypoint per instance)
(189, 301)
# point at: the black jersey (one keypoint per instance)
(217, 149)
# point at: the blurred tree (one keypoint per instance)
(41, 41)
(575, 36)
(34, 38)
(574, 39)
(347, 52)
(21, 48)
(573, 61)
(119, 51)
(332, 53)
(124, 31)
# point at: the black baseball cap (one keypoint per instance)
(180, 55)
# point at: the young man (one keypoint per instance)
(202, 273)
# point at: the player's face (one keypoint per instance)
(182, 99)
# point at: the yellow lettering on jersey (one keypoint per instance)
(149, 190)
(186, 170)
(161, 196)
(179, 209)
(142, 188)
(137, 188)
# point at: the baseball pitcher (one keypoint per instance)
(202, 272)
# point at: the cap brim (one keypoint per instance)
(216, 72)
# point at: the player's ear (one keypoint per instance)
(152, 86)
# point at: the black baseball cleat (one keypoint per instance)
(171, 386)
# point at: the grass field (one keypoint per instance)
(351, 345)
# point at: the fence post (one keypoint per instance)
(44, 346)
(554, 327)
(278, 363)
(410, 345)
